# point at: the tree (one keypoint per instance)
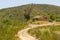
(52, 17)
(28, 12)
(27, 16)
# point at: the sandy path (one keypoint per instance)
(23, 34)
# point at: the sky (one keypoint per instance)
(13, 3)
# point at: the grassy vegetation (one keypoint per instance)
(12, 19)
(17, 13)
(9, 29)
(46, 32)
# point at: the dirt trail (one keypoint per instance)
(23, 34)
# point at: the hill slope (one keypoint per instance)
(17, 13)
(12, 19)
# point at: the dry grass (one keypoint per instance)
(46, 32)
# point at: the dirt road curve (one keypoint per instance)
(23, 34)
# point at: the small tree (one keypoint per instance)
(6, 21)
(28, 12)
(27, 16)
(52, 17)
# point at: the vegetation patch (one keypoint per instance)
(46, 32)
(9, 29)
(12, 19)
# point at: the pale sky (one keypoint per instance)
(12, 3)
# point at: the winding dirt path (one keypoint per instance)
(23, 34)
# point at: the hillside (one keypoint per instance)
(17, 13)
(12, 19)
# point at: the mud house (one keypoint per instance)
(40, 19)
